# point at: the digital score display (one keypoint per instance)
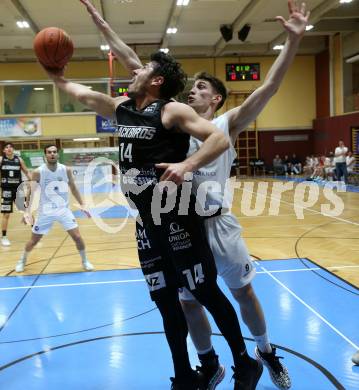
(242, 72)
(119, 89)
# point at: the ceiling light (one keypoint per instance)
(39, 89)
(171, 30)
(278, 47)
(85, 139)
(165, 49)
(345, 1)
(22, 24)
(105, 47)
(183, 3)
(309, 27)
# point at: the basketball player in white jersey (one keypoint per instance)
(223, 231)
(54, 181)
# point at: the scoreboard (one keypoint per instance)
(242, 72)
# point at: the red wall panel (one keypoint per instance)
(268, 148)
(322, 84)
(328, 132)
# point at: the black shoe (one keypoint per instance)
(213, 374)
(277, 371)
(194, 382)
(247, 377)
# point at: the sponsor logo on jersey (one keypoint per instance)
(155, 281)
(11, 167)
(137, 132)
(151, 108)
(175, 228)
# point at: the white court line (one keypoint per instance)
(307, 269)
(72, 284)
(292, 204)
(310, 308)
(143, 280)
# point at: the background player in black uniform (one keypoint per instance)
(154, 137)
(10, 172)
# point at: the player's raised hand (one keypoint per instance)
(298, 18)
(173, 172)
(97, 18)
(27, 219)
(54, 73)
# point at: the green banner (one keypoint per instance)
(32, 158)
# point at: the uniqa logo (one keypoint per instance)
(178, 237)
(175, 228)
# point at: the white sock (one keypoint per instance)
(263, 343)
(23, 257)
(83, 255)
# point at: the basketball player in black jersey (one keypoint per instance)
(153, 140)
(10, 172)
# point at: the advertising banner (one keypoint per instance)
(104, 125)
(20, 127)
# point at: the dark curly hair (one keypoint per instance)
(216, 84)
(175, 78)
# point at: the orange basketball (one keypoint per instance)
(53, 47)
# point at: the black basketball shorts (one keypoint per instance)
(175, 254)
(8, 197)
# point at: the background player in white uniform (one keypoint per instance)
(54, 180)
(11, 167)
(223, 231)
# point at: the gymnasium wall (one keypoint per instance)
(294, 105)
(322, 79)
(268, 147)
(328, 131)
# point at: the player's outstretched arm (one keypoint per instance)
(240, 117)
(122, 52)
(186, 119)
(101, 103)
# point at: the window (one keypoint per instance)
(28, 99)
(69, 104)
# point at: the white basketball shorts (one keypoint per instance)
(43, 223)
(232, 259)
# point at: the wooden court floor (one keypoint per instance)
(275, 226)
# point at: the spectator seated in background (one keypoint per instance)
(296, 165)
(308, 166)
(278, 166)
(350, 161)
(329, 167)
(318, 173)
(287, 165)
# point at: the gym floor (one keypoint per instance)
(61, 327)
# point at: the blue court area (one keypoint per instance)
(100, 330)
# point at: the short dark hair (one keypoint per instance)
(49, 146)
(8, 144)
(175, 78)
(216, 84)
